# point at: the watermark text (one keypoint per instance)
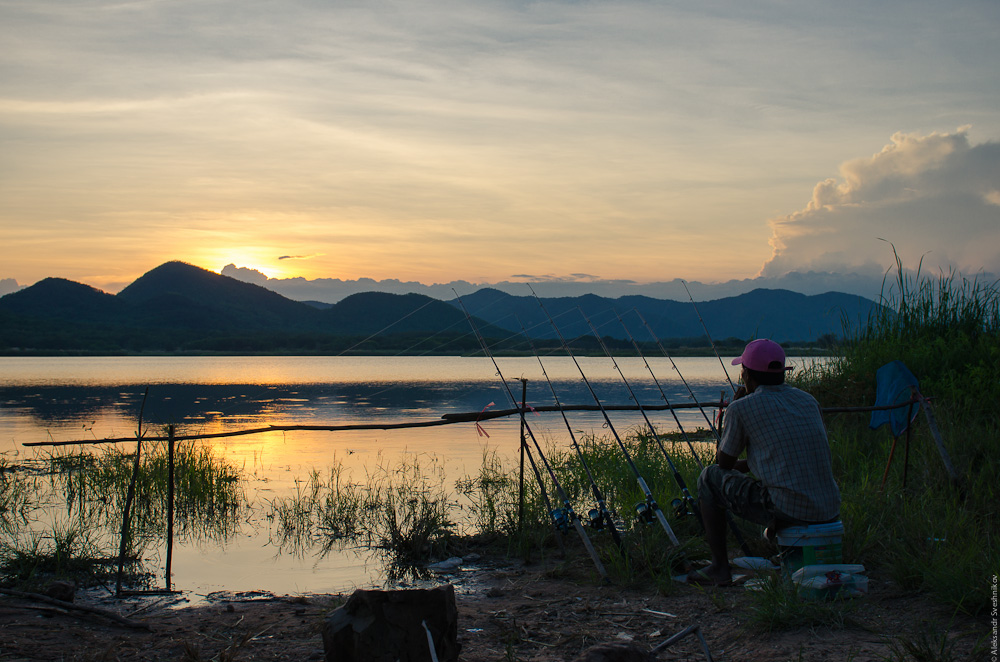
(993, 616)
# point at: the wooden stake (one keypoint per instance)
(170, 500)
(129, 496)
(936, 433)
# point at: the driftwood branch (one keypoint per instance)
(71, 607)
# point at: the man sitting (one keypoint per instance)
(781, 429)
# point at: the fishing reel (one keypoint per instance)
(646, 511)
(681, 508)
(596, 519)
(560, 518)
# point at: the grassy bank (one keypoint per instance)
(933, 534)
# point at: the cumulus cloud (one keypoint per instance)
(246, 274)
(8, 285)
(934, 196)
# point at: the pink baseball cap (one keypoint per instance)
(763, 355)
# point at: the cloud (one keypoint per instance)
(8, 285)
(569, 278)
(246, 274)
(300, 257)
(933, 197)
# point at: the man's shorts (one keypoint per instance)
(737, 492)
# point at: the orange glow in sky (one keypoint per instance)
(481, 141)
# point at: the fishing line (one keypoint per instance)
(648, 509)
(387, 327)
(694, 398)
(688, 500)
(560, 519)
(709, 336)
(602, 512)
(663, 394)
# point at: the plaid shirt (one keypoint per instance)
(781, 428)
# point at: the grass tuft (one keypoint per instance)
(777, 606)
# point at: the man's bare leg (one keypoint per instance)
(715, 534)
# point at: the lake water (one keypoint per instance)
(84, 398)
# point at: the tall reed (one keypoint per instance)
(403, 508)
(16, 489)
(208, 495)
(931, 535)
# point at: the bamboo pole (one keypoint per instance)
(446, 419)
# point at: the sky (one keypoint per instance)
(485, 141)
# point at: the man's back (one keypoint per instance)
(781, 428)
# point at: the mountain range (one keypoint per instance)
(181, 307)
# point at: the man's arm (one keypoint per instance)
(729, 435)
(727, 461)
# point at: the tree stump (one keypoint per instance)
(386, 626)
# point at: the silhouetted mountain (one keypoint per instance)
(61, 299)
(178, 306)
(777, 314)
(181, 295)
(372, 312)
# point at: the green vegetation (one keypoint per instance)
(404, 509)
(931, 643)
(83, 496)
(64, 552)
(408, 510)
(208, 491)
(16, 489)
(776, 605)
(931, 535)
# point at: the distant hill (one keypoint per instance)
(178, 306)
(176, 294)
(778, 314)
(181, 307)
(394, 313)
(65, 300)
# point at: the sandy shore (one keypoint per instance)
(507, 611)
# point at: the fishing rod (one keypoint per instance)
(561, 518)
(601, 516)
(688, 501)
(729, 516)
(711, 426)
(709, 336)
(648, 509)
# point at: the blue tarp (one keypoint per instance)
(893, 383)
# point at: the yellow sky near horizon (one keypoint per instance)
(488, 141)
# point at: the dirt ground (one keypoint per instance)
(507, 611)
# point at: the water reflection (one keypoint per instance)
(71, 399)
(197, 408)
